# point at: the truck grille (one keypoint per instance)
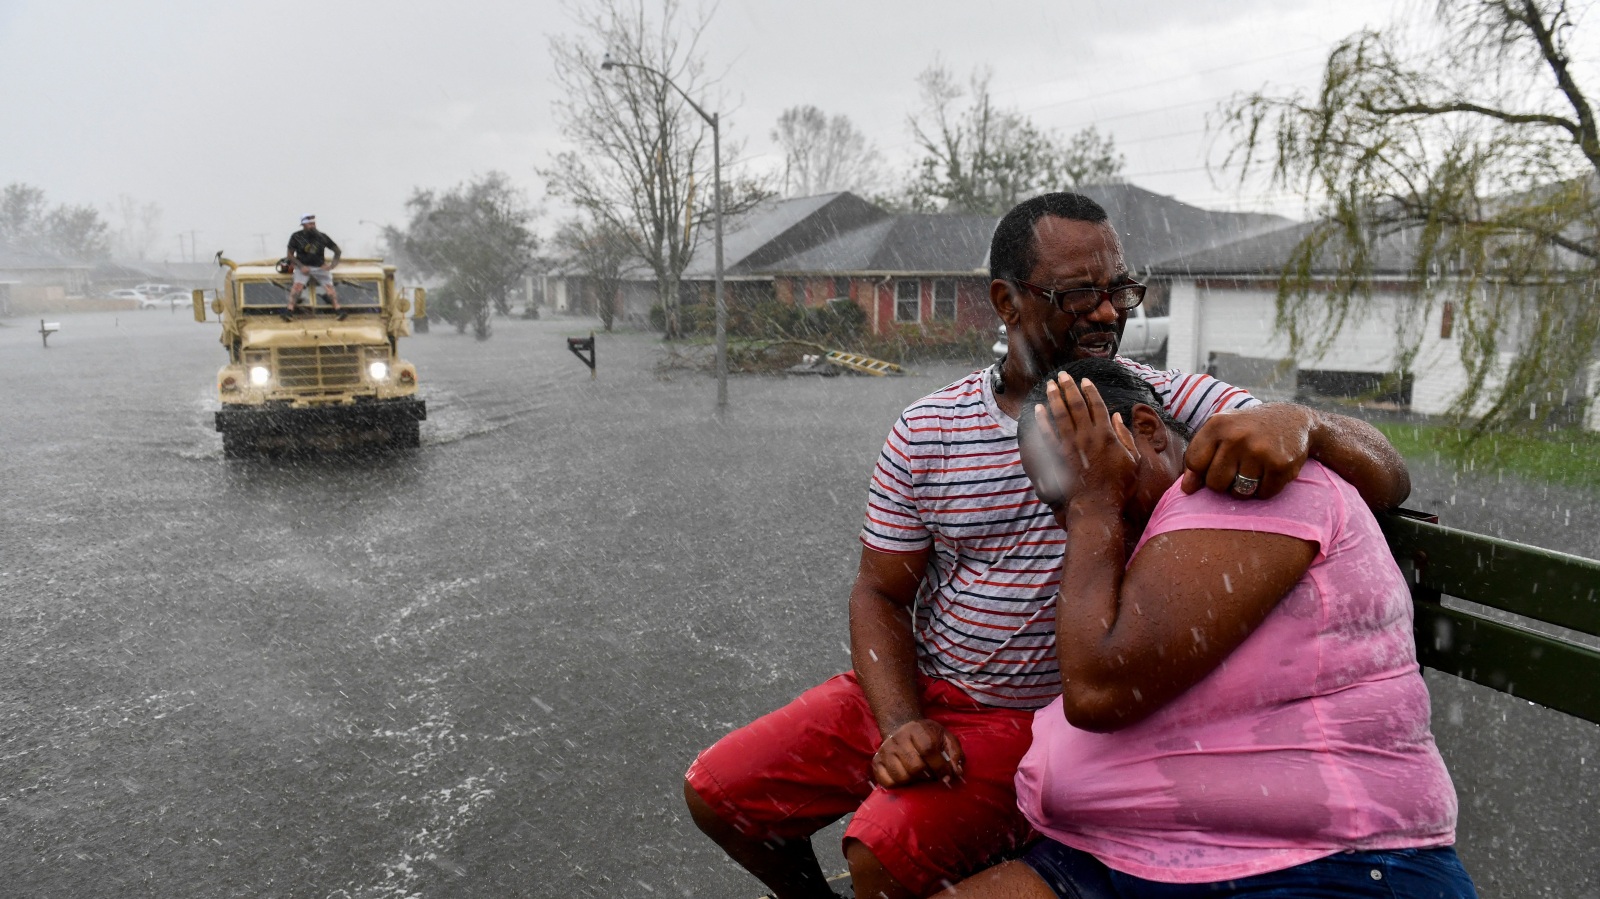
(313, 367)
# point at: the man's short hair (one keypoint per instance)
(1012, 251)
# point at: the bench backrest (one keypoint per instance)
(1537, 655)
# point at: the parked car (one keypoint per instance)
(127, 294)
(154, 290)
(171, 300)
(1143, 338)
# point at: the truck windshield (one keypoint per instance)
(264, 294)
(260, 296)
(357, 294)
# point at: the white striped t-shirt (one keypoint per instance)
(950, 476)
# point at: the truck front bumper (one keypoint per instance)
(286, 421)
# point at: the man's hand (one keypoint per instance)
(1268, 444)
(917, 750)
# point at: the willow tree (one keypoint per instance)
(1469, 142)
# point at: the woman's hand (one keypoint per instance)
(1099, 459)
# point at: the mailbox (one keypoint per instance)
(581, 345)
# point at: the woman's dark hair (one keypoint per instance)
(1012, 253)
(1119, 387)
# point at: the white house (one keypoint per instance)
(1224, 307)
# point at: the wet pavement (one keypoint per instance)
(478, 669)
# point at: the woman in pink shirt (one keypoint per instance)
(1242, 710)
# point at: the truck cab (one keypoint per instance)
(316, 380)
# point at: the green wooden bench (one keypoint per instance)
(1533, 650)
(1523, 630)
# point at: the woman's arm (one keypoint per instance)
(1131, 638)
(1128, 643)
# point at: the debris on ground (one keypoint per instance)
(788, 357)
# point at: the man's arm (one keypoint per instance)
(883, 653)
(1271, 442)
(328, 241)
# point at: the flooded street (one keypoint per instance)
(479, 669)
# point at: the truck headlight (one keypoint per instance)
(260, 375)
(378, 370)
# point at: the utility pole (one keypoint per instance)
(182, 256)
(263, 239)
(714, 120)
(194, 250)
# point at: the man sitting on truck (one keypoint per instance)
(307, 254)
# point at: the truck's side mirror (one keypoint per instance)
(198, 296)
(422, 303)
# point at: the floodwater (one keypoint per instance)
(479, 669)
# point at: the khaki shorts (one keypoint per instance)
(323, 276)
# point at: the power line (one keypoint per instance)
(1184, 77)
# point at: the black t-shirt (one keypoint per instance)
(307, 246)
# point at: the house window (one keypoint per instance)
(944, 300)
(841, 288)
(907, 301)
(1157, 299)
(797, 291)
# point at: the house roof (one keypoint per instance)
(1268, 254)
(1152, 227)
(778, 228)
(840, 233)
(927, 243)
(1155, 227)
(18, 261)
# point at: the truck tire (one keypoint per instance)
(237, 446)
(406, 436)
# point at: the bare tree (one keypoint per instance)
(597, 251)
(642, 163)
(1480, 146)
(984, 159)
(822, 154)
(138, 227)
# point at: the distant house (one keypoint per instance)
(33, 282)
(1224, 309)
(924, 271)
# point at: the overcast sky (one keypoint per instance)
(236, 117)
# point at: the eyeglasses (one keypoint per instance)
(1079, 300)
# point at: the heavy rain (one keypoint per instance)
(281, 651)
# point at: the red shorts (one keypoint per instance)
(788, 774)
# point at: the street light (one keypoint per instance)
(711, 118)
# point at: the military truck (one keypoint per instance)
(315, 380)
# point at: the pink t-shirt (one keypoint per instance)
(1311, 737)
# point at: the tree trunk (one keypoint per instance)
(669, 306)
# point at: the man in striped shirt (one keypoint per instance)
(952, 613)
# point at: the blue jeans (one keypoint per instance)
(1388, 874)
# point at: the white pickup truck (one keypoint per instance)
(1143, 338)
